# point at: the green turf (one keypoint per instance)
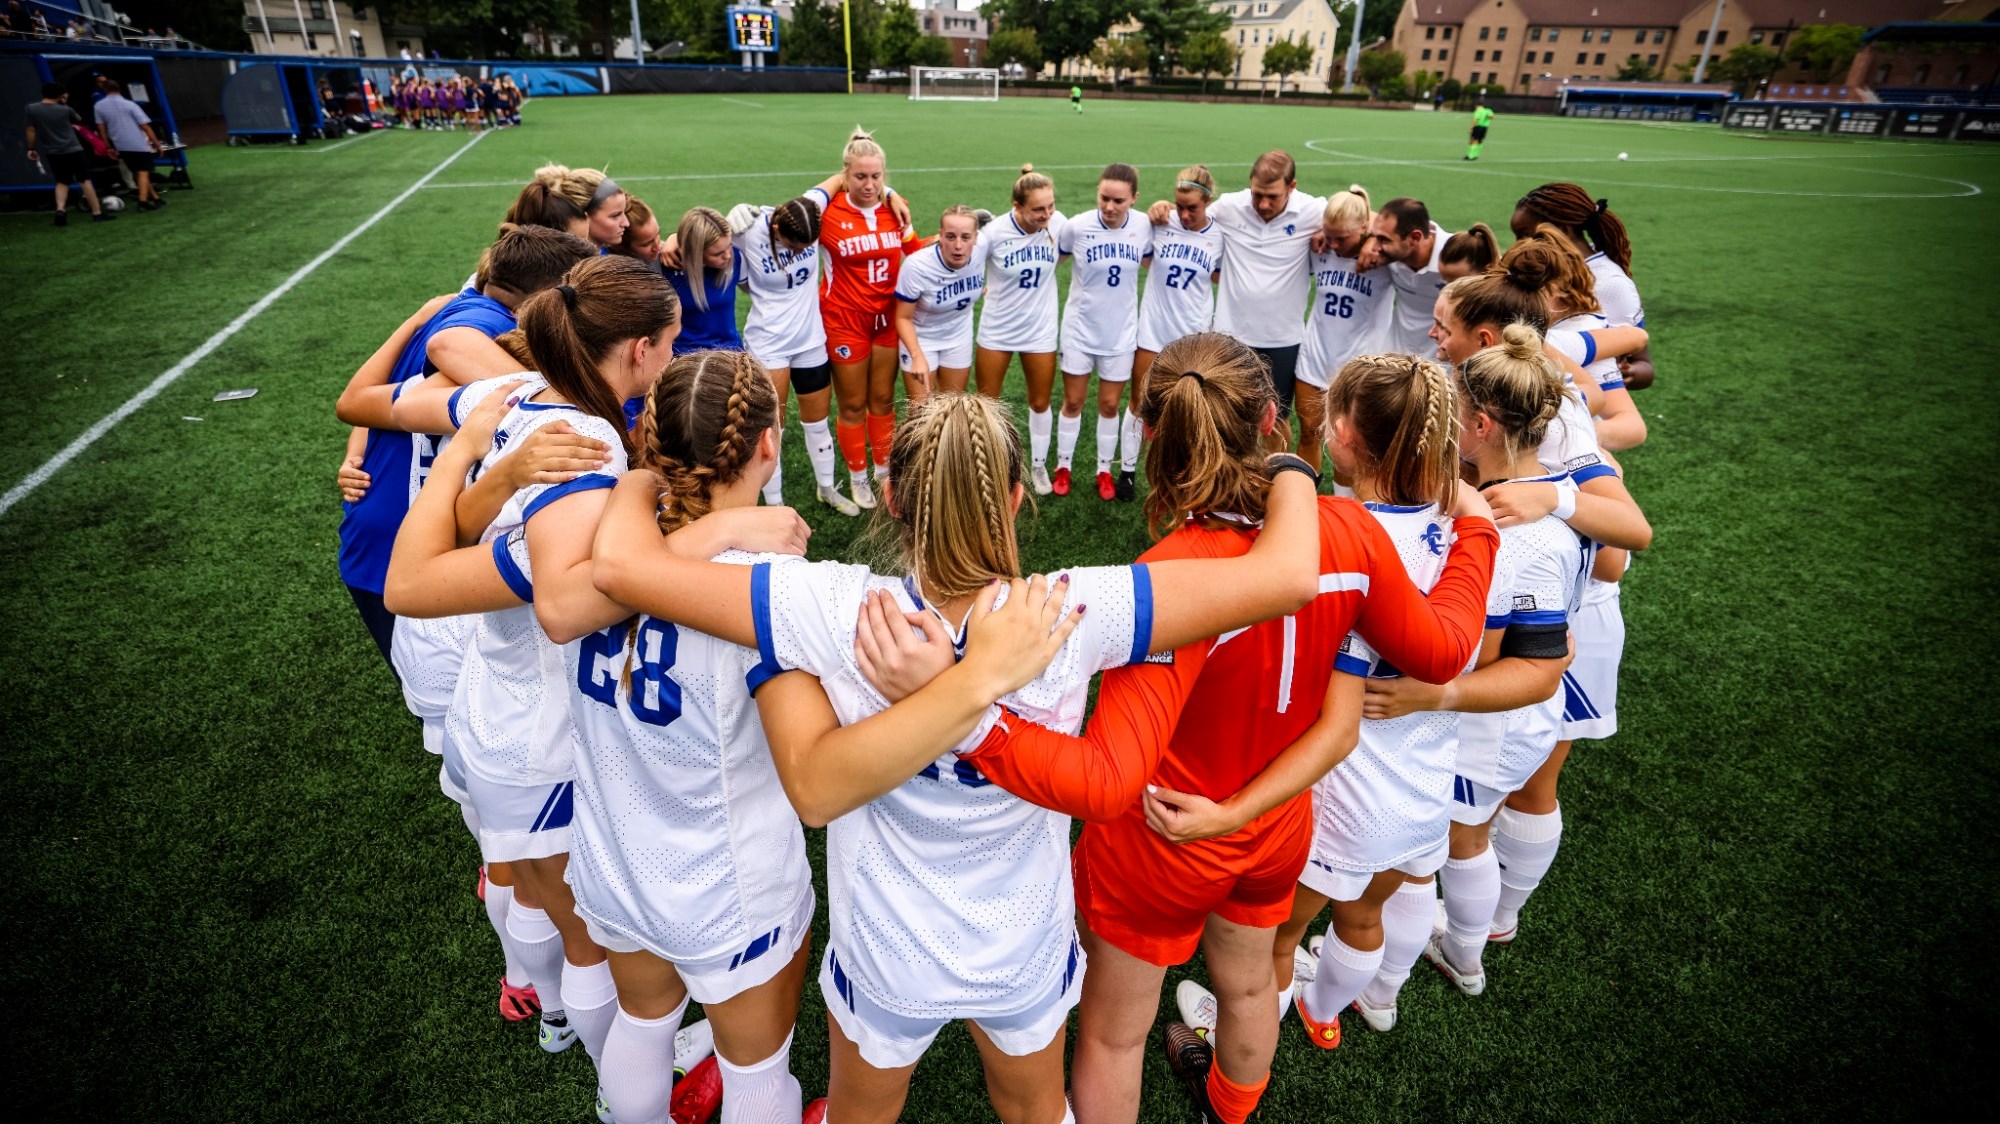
(243, 897)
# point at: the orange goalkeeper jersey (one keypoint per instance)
(864, 250)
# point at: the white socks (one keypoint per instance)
(1067, 429)
(637, 1074)
(591, 998)
(819, 450)
(1526, 847)
(1039, 423)
(1406, 928)
(774, 488)
(540, 949)
(760, 1092)
(1471, 891)
(1107, 442)
(1343, 972)
(1128, 441)
(500, 902)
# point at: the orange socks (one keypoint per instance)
(1233, 1102)
(881, 429)
(853, 445)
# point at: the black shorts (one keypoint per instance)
(68, 167)
(1478, 133)
(140, 161)
(1284, 364)
(812, 380)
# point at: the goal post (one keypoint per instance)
(954, 83)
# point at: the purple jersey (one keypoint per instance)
(425, 98)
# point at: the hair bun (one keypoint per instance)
(1026, 168)
(1521, 341)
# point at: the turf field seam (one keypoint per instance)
(90, 436)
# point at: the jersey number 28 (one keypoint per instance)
(656, 698)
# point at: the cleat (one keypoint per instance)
(1379, 1019)
(864, 492)
(832, 498)
(103, 216)
(1061, 484)
(1107, 489)
(1504, 936)
(1038, 478)
(1197, 1006)
(518, 1004)
(1473, 984)
(1127, 487)
(556, 1034)
(62, 218)
(815, 1113)
(698, 1095)
(693, 1045)
(1440, 922)
(481, 888)
(1189, 1057)
(1325, 1035)
(1305, 961)
(603, 1110)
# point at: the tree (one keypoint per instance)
(1378, 67)
(897, 36)
(1450, 90)
(1287, 57)
(1011, 45)
(1824, 49)
(1206, 53)
(813, 36)
(1634, 69)
(933, 50)
(1167, 25)
(1118, 56)
(1746, 67)
(1378, 23)
(1421, 84)
(1071, 28)
(1397, 88)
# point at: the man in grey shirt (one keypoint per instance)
(52, 134)
(131, 138)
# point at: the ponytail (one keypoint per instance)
(1405, 411)
(572, 328)
(1571, 208)
(700, 426)
(953, 466)
(1475, 248)
(1030, 182)
(1515, 383)
(1205, 403)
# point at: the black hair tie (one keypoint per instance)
(1196, 376)
(568, 294)
(1603, 205)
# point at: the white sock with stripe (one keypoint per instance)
(499, 903)
(1107, 442)
(1526, 847)
(541, 953)
(1128, 441)
(1067, 430)
(1040, 422)
(762, 1091)
(1343, 972)
(637, 1075)
(819, 450)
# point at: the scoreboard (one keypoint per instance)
(753, 29)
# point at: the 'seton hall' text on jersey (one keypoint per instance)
(962, 287)
(1036, 250)
(1193, 253)
(872, 242)
(1342, 279)
(1103, 250)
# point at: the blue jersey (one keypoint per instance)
(714, 327)
(396, 461)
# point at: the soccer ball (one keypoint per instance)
(1623, 156)
(113, 203)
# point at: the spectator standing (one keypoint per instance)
(133, 141)
(52, 133)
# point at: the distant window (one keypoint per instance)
(1581, 58)
(1427, 54)
(1777, 39)
(1501, 35)
(1923, 75)
(1548, 56)
(1640, 37)
(360, 11)
(1444, 53)
(1239, 37)
(1479, 56)
(1484, 32)
(1600, 59)
(1660, 36)
(1652, 60)
(1555, 33)
(1496, 58)
(1959, 76)
(316, 9)
(1430, 33)
(1534, 35)
(1720, 36)
(1882, 75)
(1756, 37)
(1701, 37)
(1447, 33)
(1589, 33)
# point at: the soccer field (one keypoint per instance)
(245, 899)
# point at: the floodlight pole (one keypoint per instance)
(270, 40)
(1354, 44)
(638, 45)
(1701, 68)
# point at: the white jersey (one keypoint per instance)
(427, 652)
(1570, 445)
(1180, 290)
(1263, 296)
(1390, 799)
(684, 841)
(949, 896)
(1617, 296)
(1100, 315)
(1352, 314)
(784, 292)
(1020, 310)
(1416, 299)
(1571, 337)
(944, 296)
(1547, 564)
(509, 716)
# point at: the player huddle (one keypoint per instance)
(641, 691)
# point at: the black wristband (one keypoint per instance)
(1287, 462)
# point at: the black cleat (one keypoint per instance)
(1127, 487)
(1189, 1056)
(62, 218)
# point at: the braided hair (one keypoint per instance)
(796, 221)
(1570, 207)
(699, 428)
(953, 466)
(1405, 411)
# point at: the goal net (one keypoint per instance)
(954, 83)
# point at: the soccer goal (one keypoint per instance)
(954, 83)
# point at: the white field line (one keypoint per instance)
(741, 101)
(70, 452)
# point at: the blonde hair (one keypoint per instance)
(578, 185)
(1515, 383)
(1030, 182)
(1350, 209)
(861, 145)
(1571, 282)
(700, 229)
(953, 466)
(1205, 401)
(1405, 411)
(1199, 177)
(699, 428)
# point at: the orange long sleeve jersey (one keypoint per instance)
(1215, 714)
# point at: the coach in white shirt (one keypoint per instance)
(1267, 232)
(1410, 242)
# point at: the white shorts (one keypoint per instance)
(1109, 368)
(726, 975)
(941, 353)
(451, 769)
(1347, 885)
(1040, 344)
(888, 1040)
(521, 822)
(1590, 686)
(1473, 803)
(1313, 373)
(813, 356)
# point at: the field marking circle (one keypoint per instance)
(1971, 189)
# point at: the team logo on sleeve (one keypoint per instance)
(1584, 461)
(1524, 602)
(1434, 538)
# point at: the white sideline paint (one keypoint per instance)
(70, 452)
(741, 101)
